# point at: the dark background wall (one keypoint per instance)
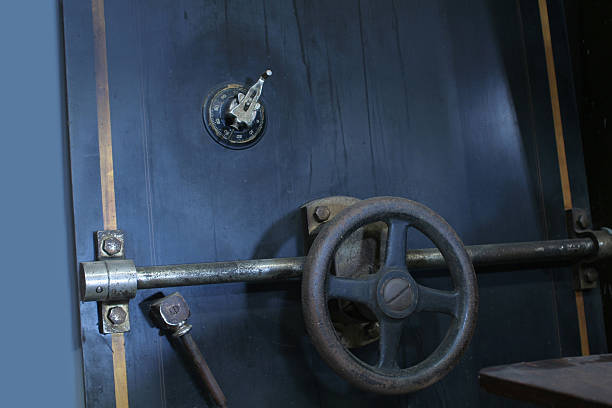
(589, 31)
(39, 354)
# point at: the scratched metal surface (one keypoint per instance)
(443, 102)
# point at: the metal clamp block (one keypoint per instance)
(579, 224)
(110, 244)
(107, 281)
(111, 281)
(114, 317)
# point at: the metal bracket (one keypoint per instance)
(579, 224)
(113, 317)
(317, 212)
(360, 254)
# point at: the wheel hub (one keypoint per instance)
(397, 293)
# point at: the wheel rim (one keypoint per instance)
(386, 378)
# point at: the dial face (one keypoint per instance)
(214, 114)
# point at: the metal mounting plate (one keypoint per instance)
(359, 254)
(110, 244)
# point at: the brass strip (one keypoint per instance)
(107, 181)
(565, 184)
(104, 127)
(119, 370)
(582, 327)
(556, 110)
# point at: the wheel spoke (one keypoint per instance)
(388, 346)
(396, 243)
(434, 300)
(356, 290)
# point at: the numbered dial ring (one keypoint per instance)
(218, 122)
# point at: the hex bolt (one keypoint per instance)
(117, 315)
(590, 275)
(322, 213)
(112, 246)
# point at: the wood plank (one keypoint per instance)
(572, 381)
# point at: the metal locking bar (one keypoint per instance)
(116, 280)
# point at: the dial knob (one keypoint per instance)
(234, 115)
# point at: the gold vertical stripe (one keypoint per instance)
(104, 128)
(564, 174)
(556, 110)
(107, 181)
(584, 339)
(582, 326)
(119, 370)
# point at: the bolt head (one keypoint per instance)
(582, 221)
(117, 315)
(170, 312)
(322, 213)
(398, 294)
(590, 275)
(373, 330)
(112, 246)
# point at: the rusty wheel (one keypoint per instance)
(392, 294)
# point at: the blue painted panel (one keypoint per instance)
(443, 102)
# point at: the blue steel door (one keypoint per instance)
(443, 102)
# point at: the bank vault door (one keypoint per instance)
(228, 117)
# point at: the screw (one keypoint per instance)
(322, 213)
(112, 246)
(397, 294)
(117, 315)
(99, 289)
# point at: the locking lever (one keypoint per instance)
(171, 313)
(242, 111)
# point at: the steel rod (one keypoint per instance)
(523, 253)
(256, 270)
(268, 270)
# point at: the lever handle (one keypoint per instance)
(243, 109)
(171, 313)
(203, 370)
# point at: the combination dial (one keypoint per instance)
(234, 115)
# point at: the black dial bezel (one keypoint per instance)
(221, 132)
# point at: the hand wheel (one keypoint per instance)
(391, 294)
